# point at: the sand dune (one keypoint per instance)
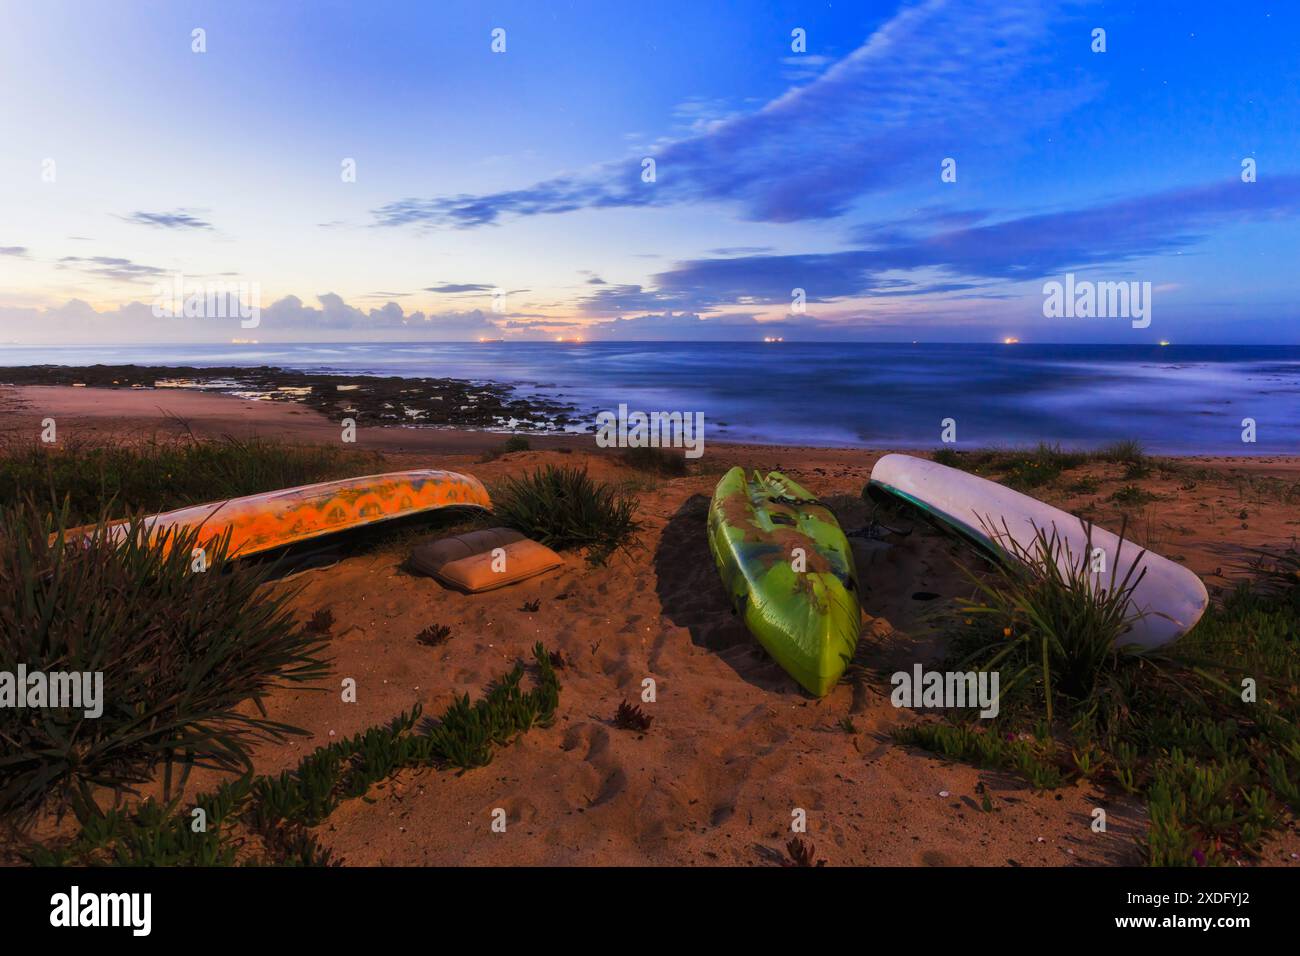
(736, 747)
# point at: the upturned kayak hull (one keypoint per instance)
(1166, 602)
(275, 519)
(789, 572)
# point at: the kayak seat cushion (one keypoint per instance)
(483, 560)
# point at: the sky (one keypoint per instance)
(648, 171)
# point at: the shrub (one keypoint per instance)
(1132, 496)
(948, 456)
(513, 443)
(655, 460)
(517, 443)
(1017, 468)
(1086, 485)
(1041, 465)
(179, 652)
(1123, 452)
(564, 508)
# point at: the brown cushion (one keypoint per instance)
(467, 561)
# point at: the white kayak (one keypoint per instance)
(1169, 598)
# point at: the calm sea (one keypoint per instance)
(1174, 399)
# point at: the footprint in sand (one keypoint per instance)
(602, 774)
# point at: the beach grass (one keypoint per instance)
(656, 461)
(269, 819)
(1028, 468)
(179, 649)
(1041, 618)
(1206, 731)
(1126, 451)
(1022, 469)
(565, 508)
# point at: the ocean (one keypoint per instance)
(1174, 399)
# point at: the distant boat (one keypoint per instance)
(773, 338)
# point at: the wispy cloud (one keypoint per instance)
(110, 267)
(936, 73)
(617, 300)
(456, 288)
(804, 66)
(960, 252)
(176, 219)
(20, 251)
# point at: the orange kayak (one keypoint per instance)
(277, 518)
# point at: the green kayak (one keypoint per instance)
(789, 571)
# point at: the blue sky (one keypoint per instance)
(129, 158)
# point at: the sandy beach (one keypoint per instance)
(735, 746)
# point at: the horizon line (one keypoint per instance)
(583, 342)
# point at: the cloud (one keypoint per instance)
(467, 211)
(111, 267)
(290, 316)
(938, 72)
(452, 288)
(287, 319)
(1116, 231)
(614, 300)
(176, 219)
(543, 323)
(958, 251)
(802, 67)
(20, 251)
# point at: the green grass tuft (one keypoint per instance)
(1047, 618)
(565, 508)
(1123, 452)
(179, 650)
(1131, 496)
